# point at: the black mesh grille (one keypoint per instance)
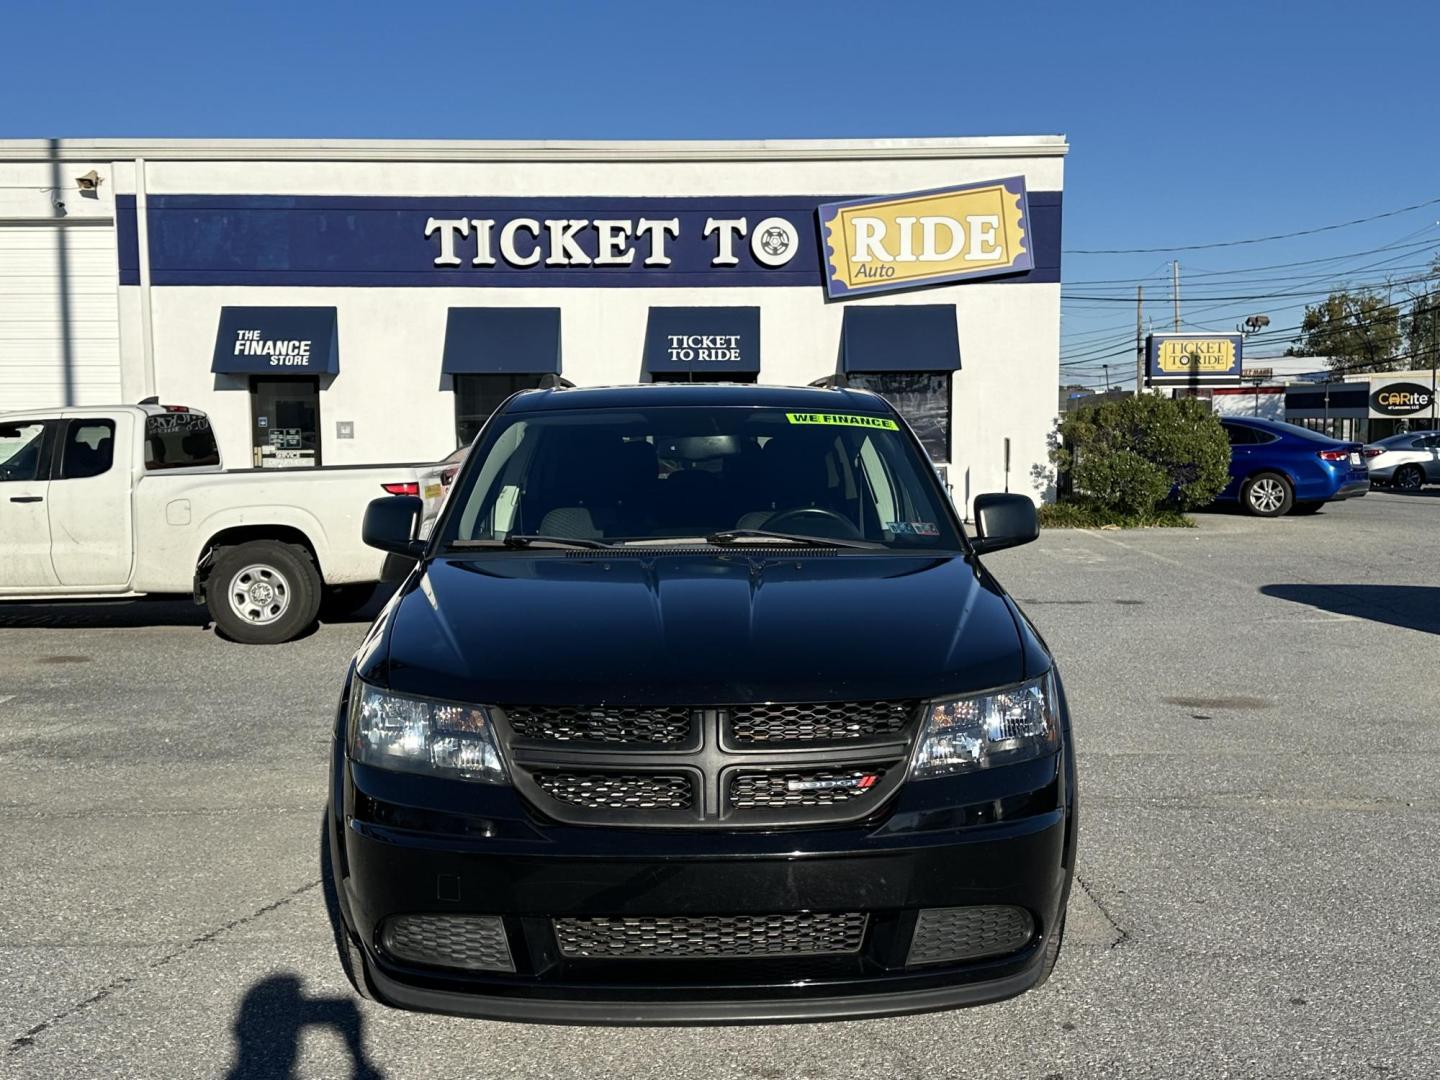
(811, 787)
(548, 723)
(969, 933)
(721, 936)
(619, 790)
(473, 942)
(822, 722)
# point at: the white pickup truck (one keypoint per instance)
(131, 500)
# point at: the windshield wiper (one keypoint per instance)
(731, 536)
(525, 540)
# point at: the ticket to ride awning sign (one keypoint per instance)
(926, 237)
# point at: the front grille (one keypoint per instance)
(812, 787)
(826, 721)
(969, 933)
(669, 726)
(471, 942)
(713, 937)
(744, 766)
(618, 790)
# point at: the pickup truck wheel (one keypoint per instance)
(263, 592)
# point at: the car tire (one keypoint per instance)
(1408, 478)
(1267, 494)
(1306, 507)
(338, 601)
(263, 592)
(1052, 955)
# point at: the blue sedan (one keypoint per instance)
(1276, 468)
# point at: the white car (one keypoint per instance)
(132, 500)
(1406, 462)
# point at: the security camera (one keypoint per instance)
(90, 183)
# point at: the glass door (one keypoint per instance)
(285, 422)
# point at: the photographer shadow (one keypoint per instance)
(271, 1020)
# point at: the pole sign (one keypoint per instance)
(1189, 359)
(1399, 399)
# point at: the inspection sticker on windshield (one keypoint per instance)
(912, 528)
(842, 420)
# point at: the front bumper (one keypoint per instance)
(1005, 837)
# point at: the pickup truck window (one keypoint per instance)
(20, 446)
(88, 450)
(684, 473)
(179, 440)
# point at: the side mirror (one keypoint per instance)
(390, 525)
(1003, 521)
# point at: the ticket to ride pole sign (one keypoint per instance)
(926, 237)
(1182, 359)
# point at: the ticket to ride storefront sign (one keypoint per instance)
(926, 237)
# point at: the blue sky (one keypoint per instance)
(1189, 123)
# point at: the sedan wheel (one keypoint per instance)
(1267, 495)
(1409, 478)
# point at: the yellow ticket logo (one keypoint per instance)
(842, 420)
(931, 236)
(1195, 356)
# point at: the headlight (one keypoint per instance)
(413, 734)
(998, 727)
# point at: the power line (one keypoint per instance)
(1254, 240)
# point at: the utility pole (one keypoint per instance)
(1107, 377)
(1175, 290)
(1139, 340)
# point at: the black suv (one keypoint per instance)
(698, 705)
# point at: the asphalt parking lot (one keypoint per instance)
(1257, 705)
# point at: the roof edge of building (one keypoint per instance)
(986, 146)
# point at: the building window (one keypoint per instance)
(921, 397)
(285, 422)
(704, 376)
(478, 396)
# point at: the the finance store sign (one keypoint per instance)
(850, 246)
(1186, 359)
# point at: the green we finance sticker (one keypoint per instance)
(842, 420)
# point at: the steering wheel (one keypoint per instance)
(842, 528)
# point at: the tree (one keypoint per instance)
(1139, 453)
(1357, 331)
(1422, 325)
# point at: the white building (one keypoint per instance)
(339, 303)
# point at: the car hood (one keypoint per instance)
(697, 629)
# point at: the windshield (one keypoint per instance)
(628, 476)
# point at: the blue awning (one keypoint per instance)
(900, 337)
(703, 339)
(502, 341)
(276, 341)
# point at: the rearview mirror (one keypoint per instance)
(1003, 521)
(390, 525)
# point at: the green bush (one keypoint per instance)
(1138, 454)
(1086, 514)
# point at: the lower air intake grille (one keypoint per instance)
(549, 723)
(969, 933)
(826, 721)
(619, 791)
(472, 942)
(812, 787)
(712, 937)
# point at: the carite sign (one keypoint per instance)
(1400, 399)
(951, 234)
(1179, 359)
